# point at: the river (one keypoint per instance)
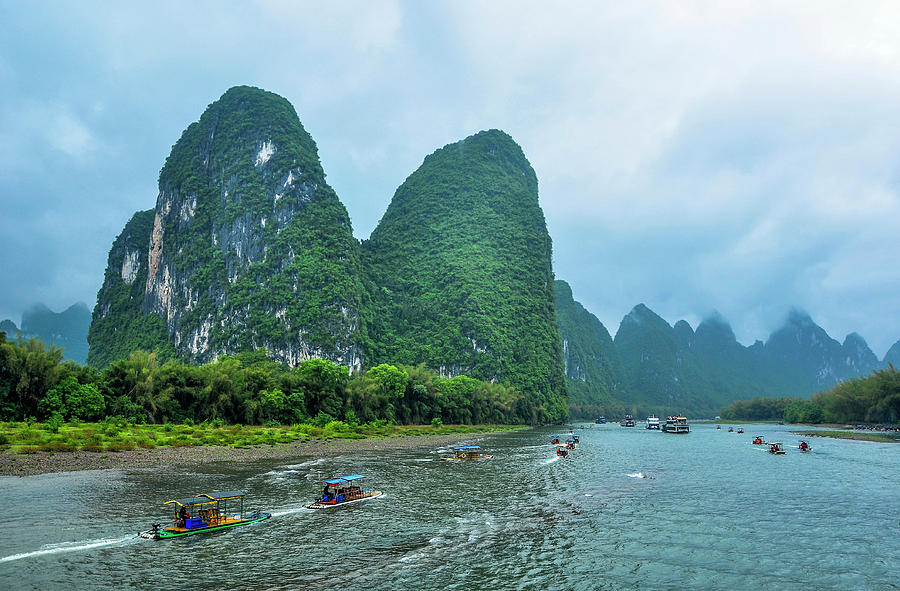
(628, 509)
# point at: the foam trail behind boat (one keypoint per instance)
(551, 460)
(300, 509)
(67, 547)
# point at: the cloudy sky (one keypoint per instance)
(692, 156)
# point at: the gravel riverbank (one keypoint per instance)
(44, 463)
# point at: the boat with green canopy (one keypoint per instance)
(340, 491)
(205, 513)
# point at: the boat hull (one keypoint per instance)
(167, 533)
(320, 505)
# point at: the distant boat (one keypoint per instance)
(601, 420)
(804, 447)
(740, 430)
(653, 422)
(776, 448)
(676, 424)
(628, 421)
(467, 452)
(554, 439)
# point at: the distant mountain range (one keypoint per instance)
(651, 366)
(67, 329)
(248, 247)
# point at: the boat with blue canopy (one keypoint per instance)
(342, 490)
(467, 452)
(205, 513)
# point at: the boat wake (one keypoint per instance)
(289, 511)
(550, 461)
(68, 547)
(315, 462)
(636, 475)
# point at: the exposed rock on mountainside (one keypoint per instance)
(248, 247)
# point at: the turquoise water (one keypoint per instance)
(629, 508)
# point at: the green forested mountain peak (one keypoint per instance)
(460, 272)
(248, 247)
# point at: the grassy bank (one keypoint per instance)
(29, 438)
(878, 437)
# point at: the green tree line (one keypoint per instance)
(246, 388)
(871, 399)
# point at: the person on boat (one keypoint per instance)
(325, 495)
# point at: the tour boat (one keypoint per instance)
(676, 424)
(653, 422)
(776, 448)
(554, 439)
(601, 421)
(570, 443)
(204, 513)
(576, 438)
(341, 491)
(562, 451)
(804, 447)
(740, 430)
(628, 421)
(731, 429)
(467, 452)
(758, 440)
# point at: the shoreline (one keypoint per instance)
(38, 463)
(850, 435)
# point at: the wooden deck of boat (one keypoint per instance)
(223, 521)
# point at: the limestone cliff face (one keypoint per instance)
(248, 247)
(119, 324)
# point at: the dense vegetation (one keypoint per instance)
(460, 273)
(872, 399)
(247, 388)
(251, 247)
(118, 434)
(592, 367)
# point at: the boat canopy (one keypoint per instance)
(456, 447)
(341, 479)
(207, 498)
